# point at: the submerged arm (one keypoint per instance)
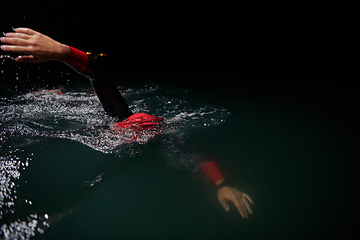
(225, 190)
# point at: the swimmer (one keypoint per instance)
(36, 47)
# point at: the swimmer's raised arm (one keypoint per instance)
(37, 47)
(33, 46)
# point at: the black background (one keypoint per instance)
(186, 40)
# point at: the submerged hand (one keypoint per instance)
(240, 199)
(34, 46)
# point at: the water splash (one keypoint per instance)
(7, 56)
(79, 116)
(33, 118)
(13, 161)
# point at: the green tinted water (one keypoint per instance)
(285, 159)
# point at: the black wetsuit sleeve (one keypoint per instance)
(108, 94)
(180, 152)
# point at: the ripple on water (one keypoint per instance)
(78, 116)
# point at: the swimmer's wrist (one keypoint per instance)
(223, 183)
(219, 182)
(62, 53)
(77, 59)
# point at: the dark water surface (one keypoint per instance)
(65, 175)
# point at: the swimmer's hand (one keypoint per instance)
(241, 200)
(33, 46)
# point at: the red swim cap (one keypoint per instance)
(144, 126)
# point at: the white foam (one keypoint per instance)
(79, 116)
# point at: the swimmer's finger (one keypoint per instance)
(248, 198)
(26, 30)
(247, 206)
(28, 58)
(17, 49)
(15, 41)
(241, 210)
(18, 35)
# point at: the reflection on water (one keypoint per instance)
(29, 120)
